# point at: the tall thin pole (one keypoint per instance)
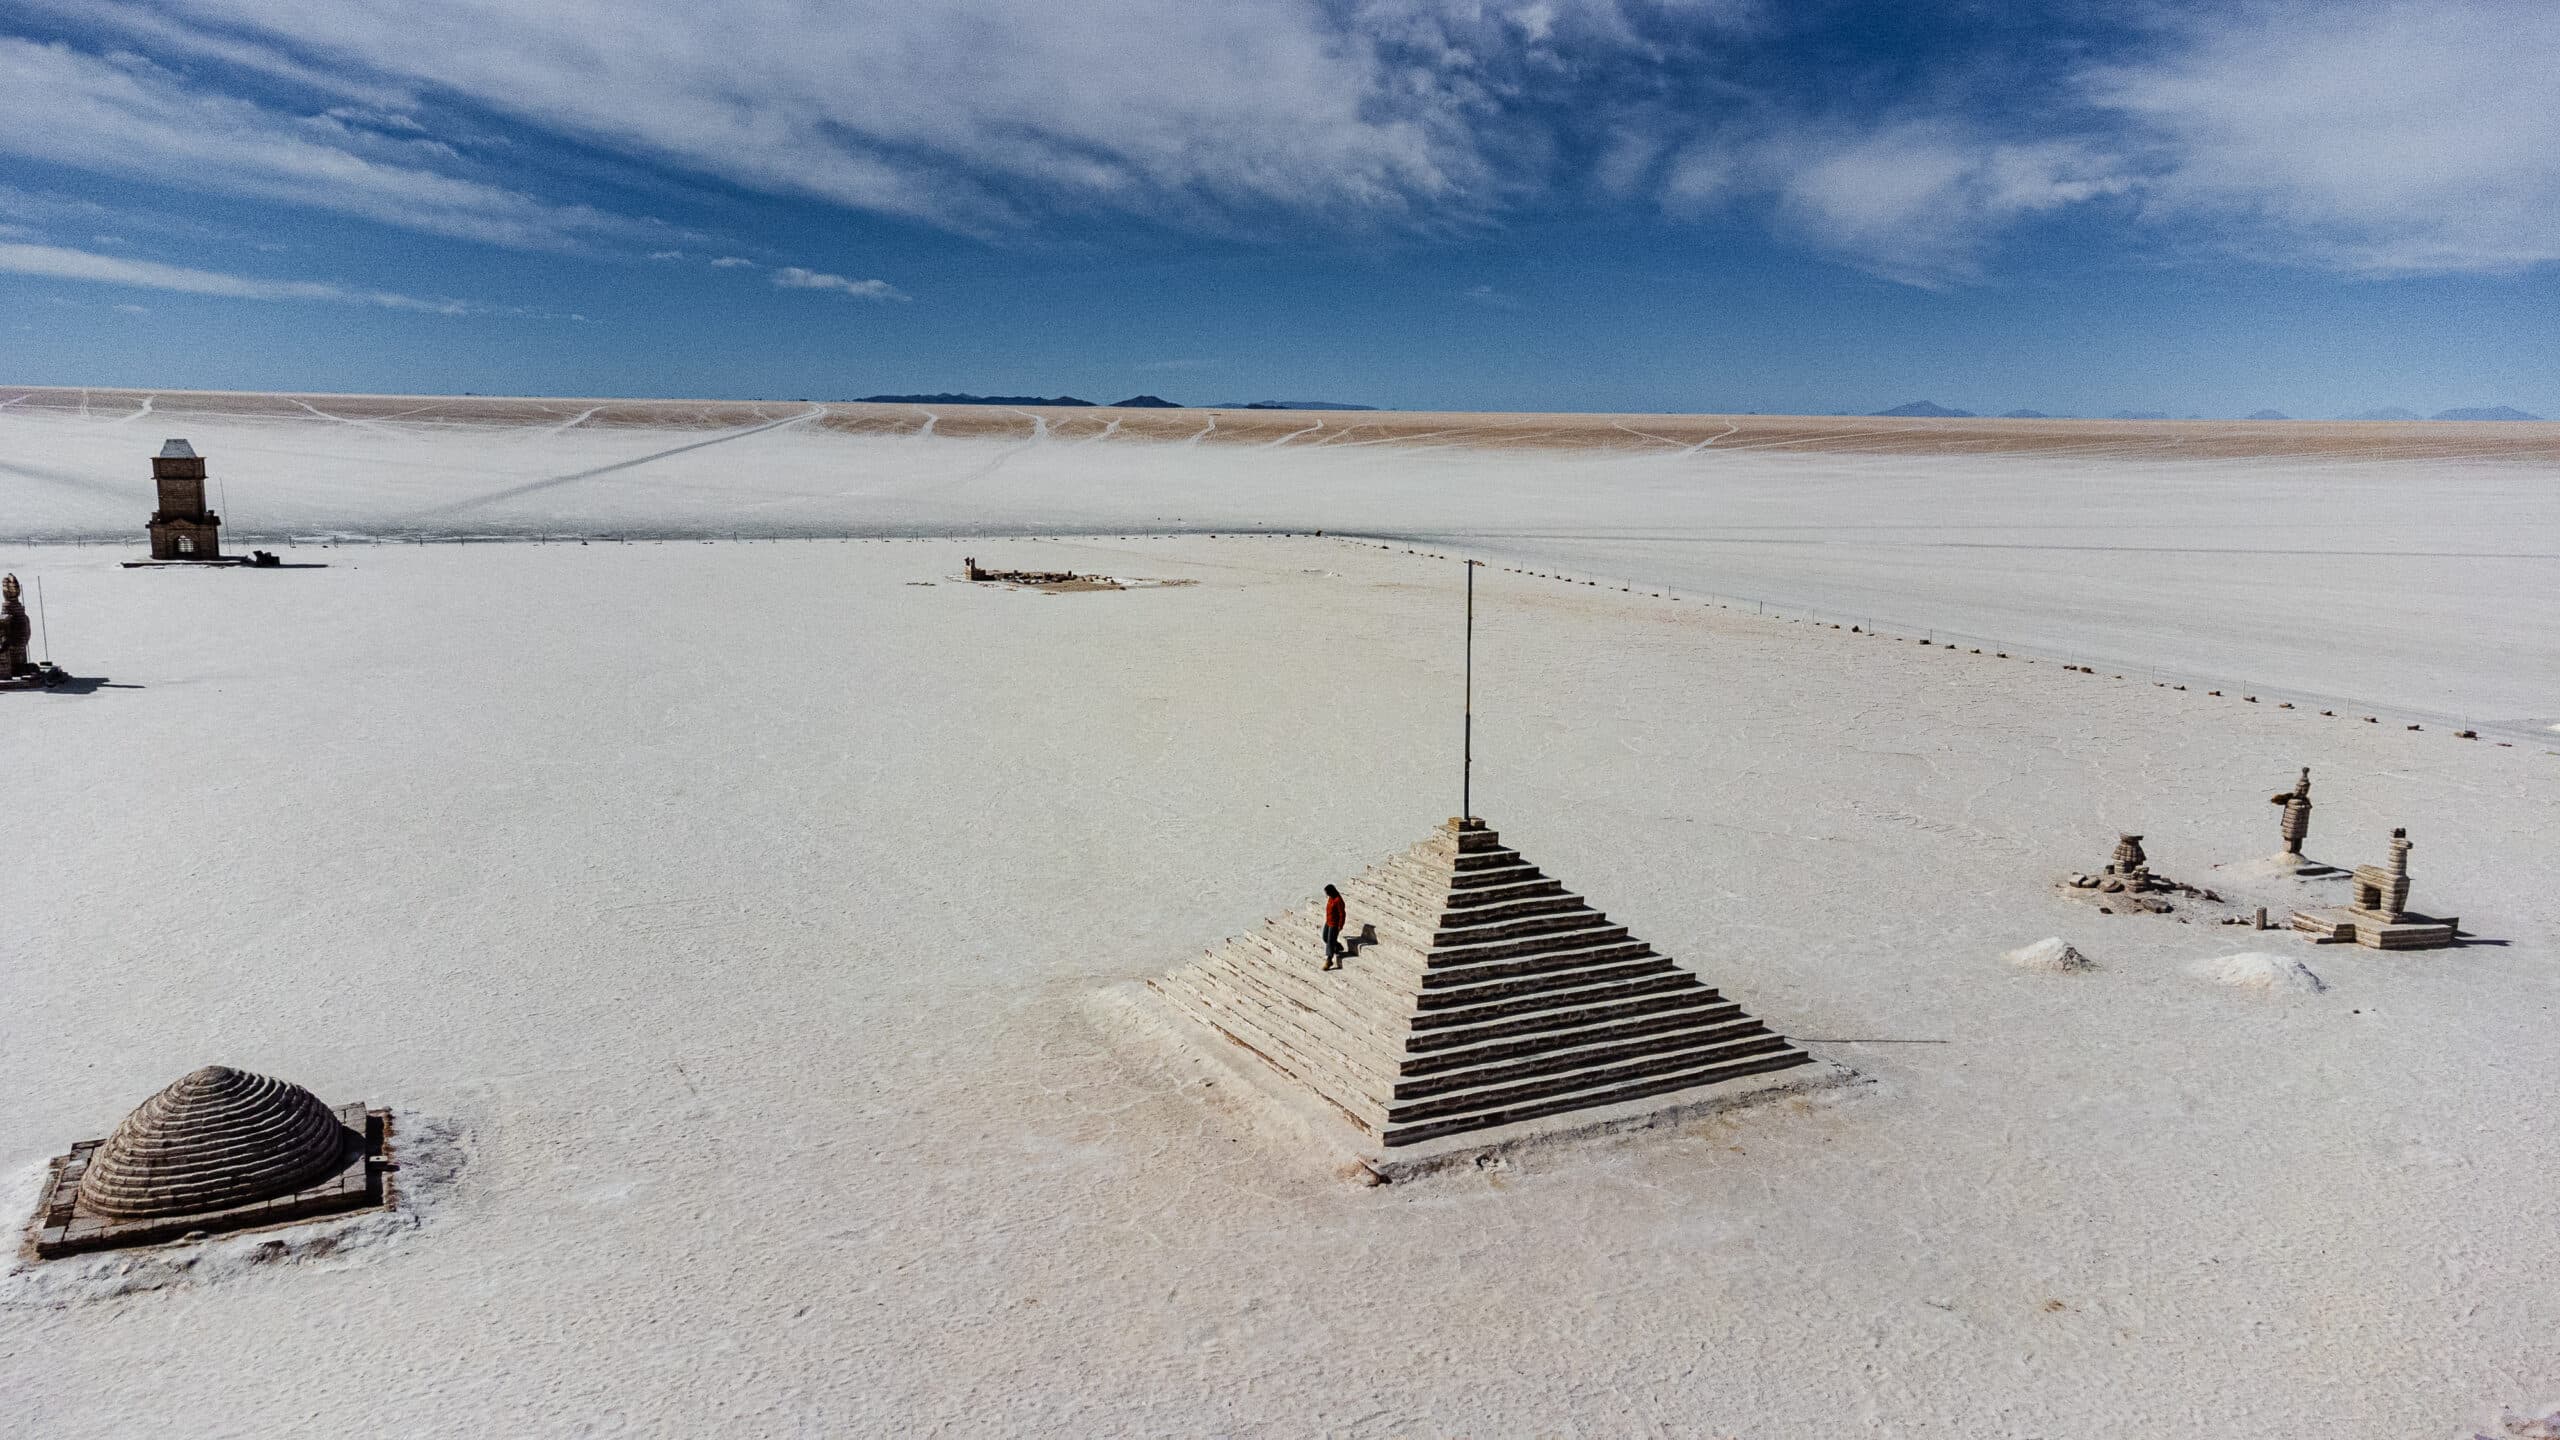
(43, 621)
(1467, 746)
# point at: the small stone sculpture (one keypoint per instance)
(2128, 884)
(2296, 823)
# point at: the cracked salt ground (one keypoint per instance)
(764, 893)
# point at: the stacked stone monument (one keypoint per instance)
(2380, 918)
(1479, 993)
(2128, 884)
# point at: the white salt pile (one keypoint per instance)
(2051, 953)
(2257, 970)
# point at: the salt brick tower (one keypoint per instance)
(182, 529)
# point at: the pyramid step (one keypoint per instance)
(1442, 906)
(1345, 1021)
(1554, 918)
(1435, 876)
(1372, 1018)
(1461, 1010)
(1404, 969)
(1424, 938)
(1329, 1079)
(1404, 892)
(1511, 946)
(1551, 1086)
(1521, 986)
(1612, 1094)
(1562, 1009)
(1383, 984)
(1552, 962)
(1573, 1031)
(1607, 1054)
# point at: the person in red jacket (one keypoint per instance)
(1333, 917)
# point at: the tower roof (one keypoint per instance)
(1490, 995)
(217, 1137)
(177, 450)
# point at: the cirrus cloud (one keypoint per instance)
(792, 277)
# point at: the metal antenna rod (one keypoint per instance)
(1467, 746)
(43, 621)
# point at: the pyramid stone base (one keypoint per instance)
(2345, 924)
(1277, 1102)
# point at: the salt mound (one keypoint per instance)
(2051, 953)
(2257, 970)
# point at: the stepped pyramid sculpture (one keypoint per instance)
(1479, 994)
(218, 1149)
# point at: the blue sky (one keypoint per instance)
(1623, 204)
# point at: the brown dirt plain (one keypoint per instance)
(2167, 440)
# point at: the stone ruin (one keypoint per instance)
(219, 1149)
(2126, 884)
(2380, 917)
(1481, 995)
(972, 572)
(182, 528)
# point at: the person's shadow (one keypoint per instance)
(65, 683)
(1354, 944)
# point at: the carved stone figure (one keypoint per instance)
(13, 631)
(2296, 822)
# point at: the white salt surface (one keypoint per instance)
(2257, 970)
(736, 907)
(2052, 953)
(2419, 587)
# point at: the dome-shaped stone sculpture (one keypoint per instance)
(219, 1137)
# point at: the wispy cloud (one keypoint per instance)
(792, 277)
(2388, 137)
(1489, 297)
(57, 263)
(91, 113)
(2372, 136)
(731, 262)
(666, 254)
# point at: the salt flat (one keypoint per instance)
(2401, 569)
(730, 917)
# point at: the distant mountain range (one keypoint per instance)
(2464, 412)
(972, 400)
(1931, 410)
(1288, 405)
(1134, 402)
